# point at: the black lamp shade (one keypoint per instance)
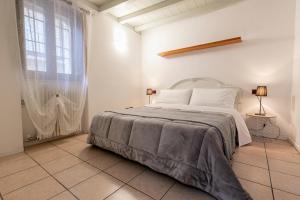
(261, 91)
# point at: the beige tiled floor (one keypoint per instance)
(70, 169)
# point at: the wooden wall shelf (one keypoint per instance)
(201, 46)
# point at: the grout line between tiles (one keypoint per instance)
(126, 184)
(7, 159)
(143, 171)
(297, 163)
(17, 172)
(26, 185)
(84, 180)
(254, 182)
(168, 190)
(40, 165)
(114, 192)
(280, 172)
(58, 194)
(65, 168)
(139, 191)
(249, 164)
(37, 153)
(287, 192)
(269, 172)
(52, 177)
(102, 171)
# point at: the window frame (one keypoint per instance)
(51, 73)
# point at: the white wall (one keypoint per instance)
(11, 139)
(264, 57)
(114, 70)
(296, 82)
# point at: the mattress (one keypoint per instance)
(193, 147)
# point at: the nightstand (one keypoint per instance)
(264, 125)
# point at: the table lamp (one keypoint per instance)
(150, 92)
(261, 91)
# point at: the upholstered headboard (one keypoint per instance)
(204, 82)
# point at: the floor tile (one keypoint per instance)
(255, 160)
(13, 157)
(97, 187)
(40, 190)
(251, 173)
(258, 139)
(60, 164)
(285, 167)
(257, 191)
(14, 165)
(277, 141)
(289, 157)
(76, 174)
(49, 156)
(65, 143)
(40, 148)
(20, 179)
(83, 151)
(82, 137)
(285, 182)
(104, 159)
(125, 170)
(80, 146)
(152, 183)
(64, 196)
(182, 192)
(281, 195)
(255, 148)
(281, 147)
(128, 193)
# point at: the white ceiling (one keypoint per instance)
(145, 14)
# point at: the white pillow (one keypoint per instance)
(224, 97)
(174, 96)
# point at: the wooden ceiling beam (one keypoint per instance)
(146, 10)
(86, 5)
(110, 4)
(210, 7)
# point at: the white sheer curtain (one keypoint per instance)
(53, 44)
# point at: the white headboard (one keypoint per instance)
(191, 83)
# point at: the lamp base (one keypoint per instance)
(260, 114)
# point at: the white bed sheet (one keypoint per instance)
(243, 132)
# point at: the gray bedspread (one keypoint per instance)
(193, 147)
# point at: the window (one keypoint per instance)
(63, 45)
(41, 28)
(34, 23)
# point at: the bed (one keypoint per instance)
(191, 143)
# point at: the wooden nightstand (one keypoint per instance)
(263, 125)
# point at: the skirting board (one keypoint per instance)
(295, 145)
(19, 150)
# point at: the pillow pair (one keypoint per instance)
(223, 97)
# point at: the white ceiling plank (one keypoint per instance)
(86, 5)
(197, 11)
(110, 4)
(151, 8)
